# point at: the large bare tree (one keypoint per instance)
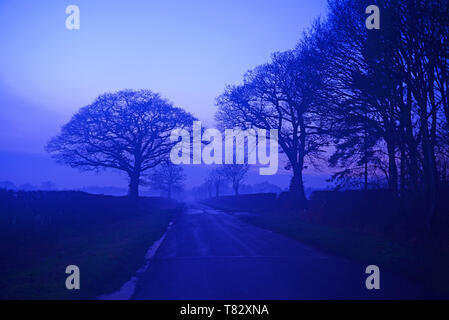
(284, 94)
(127, 131)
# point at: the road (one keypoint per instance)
(208, 254)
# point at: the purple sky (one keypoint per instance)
(185, 50)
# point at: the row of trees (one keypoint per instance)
(130, 131)
(374, 103)
(235, 174)
(230, 179)
(170, 178)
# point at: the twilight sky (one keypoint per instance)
(185, 50)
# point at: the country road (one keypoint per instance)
(208, 254)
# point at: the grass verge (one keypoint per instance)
(108, 252)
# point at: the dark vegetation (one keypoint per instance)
(373, 104)
(372, 227)
(366, 211)
(105, 236)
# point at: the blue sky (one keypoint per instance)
(186, 50)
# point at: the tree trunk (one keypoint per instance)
(430, 176)
(392, 168)
(402, 180)
(297, 185)
(365, 175)
(169, 192)
(236, 188)
(134, 180)
(365, 151)
(410, 141)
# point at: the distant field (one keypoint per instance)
(423, 262)
(106, 237)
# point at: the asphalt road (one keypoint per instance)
(208, 254)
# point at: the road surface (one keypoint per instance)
(209, 254)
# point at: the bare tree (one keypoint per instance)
(235, 174)
(217, 178)
(390, 94)
(167, 177)
(127, 131)
(283, 95)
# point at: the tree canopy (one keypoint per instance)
(127, 131)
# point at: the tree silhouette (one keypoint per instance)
(235, 174)
(285, 95)
(217, 179)
(167, 177)
(387, 111)
(127, 131)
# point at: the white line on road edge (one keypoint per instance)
(127, 290)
